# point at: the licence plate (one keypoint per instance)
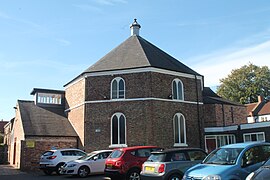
(149, 168)
(109, 165)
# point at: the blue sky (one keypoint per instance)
(46, 43)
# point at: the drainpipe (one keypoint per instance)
(198, 112)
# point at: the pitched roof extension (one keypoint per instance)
(210, 97)
(40, 121)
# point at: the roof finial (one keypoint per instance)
(135, 28)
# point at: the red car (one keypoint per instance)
(127, 162)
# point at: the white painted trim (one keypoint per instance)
(135, 70)
(257, 133)
(135, 99)
(180, 145)
(117, 145)
(78, 79)
(220, 129)
(255, 125)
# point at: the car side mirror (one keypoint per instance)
(95, 158)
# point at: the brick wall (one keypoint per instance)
(224, 115)
(75, 96)
(141, 85)
(30, 155)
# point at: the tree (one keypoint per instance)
(245, 84)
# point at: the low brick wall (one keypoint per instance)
(32, 149)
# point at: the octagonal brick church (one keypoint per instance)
(136, 94)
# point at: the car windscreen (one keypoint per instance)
(88, 156)
(116, 154)
(223, 156)
(156, 157)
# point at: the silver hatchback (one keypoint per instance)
(171, 164)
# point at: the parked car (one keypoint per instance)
(127, 162)
(171, 164)
(230, 162)
(262, 173)
(92, 163)
(52, 160)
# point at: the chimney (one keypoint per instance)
(260, 99)
(135, 28)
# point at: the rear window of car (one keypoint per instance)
(156, 157)
(116, 154)
(48, 153)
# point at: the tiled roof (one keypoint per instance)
(250, 107)
(40, 121)
(265, 109)
(137, 52)
(210, 97)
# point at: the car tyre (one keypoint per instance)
(133, 174)
(58, 168)
(83, 171)
(175, 177)
(47, 172)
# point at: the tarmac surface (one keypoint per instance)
(8, 172)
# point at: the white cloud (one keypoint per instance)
(219, 65)
(110, 2)
(63, 42)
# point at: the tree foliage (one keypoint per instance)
(245, 84)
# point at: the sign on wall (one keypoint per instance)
(30, 144)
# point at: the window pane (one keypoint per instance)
(115, 130)
(182, 129)
(121, 89)
(174, 95)
(260, 137)
(180, 95)
(122, 129)
(247, 138)
(253, 137)
(176, 129)
(114, 89)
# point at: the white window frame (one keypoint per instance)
(117, 79)
(179, 115)
(250, 134)
(177, 90)
(229, 137)
(118, 115)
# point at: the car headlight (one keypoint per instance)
(212, 177)
(249, 177)
(71, 165)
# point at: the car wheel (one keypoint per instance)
(47, 172)
(133, 175)
(175, 177)
(83, 171)
(58, 168)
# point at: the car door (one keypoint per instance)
(252, 159)
(97, 163)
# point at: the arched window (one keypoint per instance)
(179, 127)
(118, 130)
(118, 88)
(177, 89)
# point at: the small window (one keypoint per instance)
(118, 88)
(177, 89)
(143, 152)
(116, 154)
(259, 136)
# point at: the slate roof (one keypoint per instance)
(40, 121)
(136, 52)
(210, 97)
